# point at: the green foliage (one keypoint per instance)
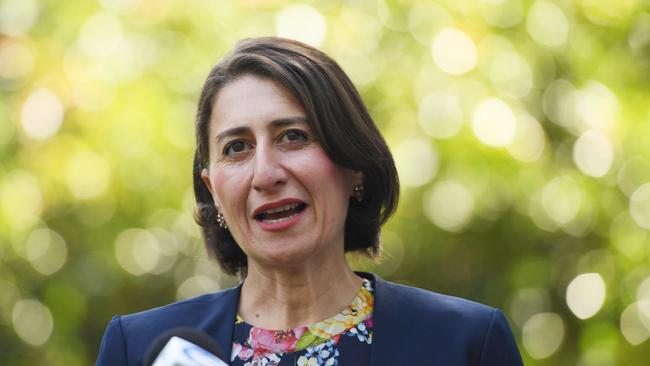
(520, 129)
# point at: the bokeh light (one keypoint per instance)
(585, 295)
(494, 123)
(441, 115)
(639, 36)
(453, 51)
(46, 251)
(9, 294)
(543, 335)
(42, 114)
(528, 302)
(597, 106)
(561, 199)
(640, 206)
(593, 153)
(502, 13)
(21, 199)
(529, 140)
(559, 103)
(137, 251)
(100, 35)
(32, 321)
(17, 16)
(196, 285)
(368, 32)
(449, 205)
(426, 19)
(605, 13)
(547, 24)
(633, 173)
(416, 161)
(643, 291)
(303, 23)
(511, 74)
(635, 322)
(391, 15)
(628, 237)
(16, 60)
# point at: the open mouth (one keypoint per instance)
(282, 213)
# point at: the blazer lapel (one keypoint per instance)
(221, 322)
(385, 347)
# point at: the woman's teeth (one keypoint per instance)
(282, 208)
(281, 213)
(280, 219)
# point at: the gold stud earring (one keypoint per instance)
(357, 192)
(221, 221)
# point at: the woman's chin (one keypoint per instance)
(286, 255)
(286, 258)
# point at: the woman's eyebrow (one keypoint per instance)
(235, 131)
(280, 122)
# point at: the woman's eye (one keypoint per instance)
(235, 147)
(294, 136)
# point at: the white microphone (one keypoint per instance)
(184, 347)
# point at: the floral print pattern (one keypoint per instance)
(347, 334)
(322, 354)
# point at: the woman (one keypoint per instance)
(291, 173)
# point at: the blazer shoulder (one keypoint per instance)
(183, 308)
(128, 337)
(459, 331)
(424, 304)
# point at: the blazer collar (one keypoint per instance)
(220, 324)
(386, 322)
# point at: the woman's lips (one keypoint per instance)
(281, 223)
(279, 215)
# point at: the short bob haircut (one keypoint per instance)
(340, 121)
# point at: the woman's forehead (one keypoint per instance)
(251, 100)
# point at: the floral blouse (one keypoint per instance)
(346, 336)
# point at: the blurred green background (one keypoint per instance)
(521, 130)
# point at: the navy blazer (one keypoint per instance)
(411, 326)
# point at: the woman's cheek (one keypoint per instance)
(227, 182)
(325, 167)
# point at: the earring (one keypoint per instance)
(357, 192)
(221, 221)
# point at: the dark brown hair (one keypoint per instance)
(337, 116)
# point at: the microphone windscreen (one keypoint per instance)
(191, 335)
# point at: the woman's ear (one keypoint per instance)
(357, 188)
(357, 178)
(206, 179)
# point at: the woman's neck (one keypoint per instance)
(274, 298)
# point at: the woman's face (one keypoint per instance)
(284, 200)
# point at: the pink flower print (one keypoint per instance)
(368, 321)
(243, 352)
(335, 339)
(246, 353)
(274, 341)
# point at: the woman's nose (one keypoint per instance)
(268, 171)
